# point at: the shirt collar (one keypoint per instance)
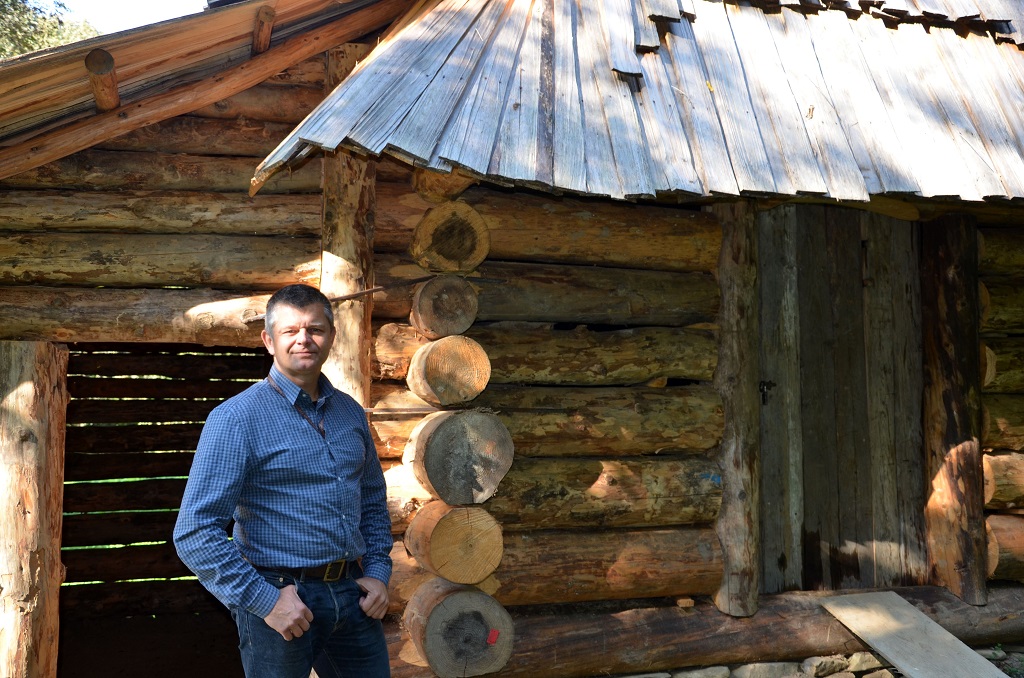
(292, 391)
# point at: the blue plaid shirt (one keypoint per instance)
(297, 499)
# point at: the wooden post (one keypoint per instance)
(33, 399)
(954, 515)
(103, 79)
(347, 260)
(736, 379)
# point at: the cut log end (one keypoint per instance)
(462, 544)
(444, 306)
(460, 631)
(449, 371)
(451, 237)
(460, 457)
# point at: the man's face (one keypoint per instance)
(301, 340)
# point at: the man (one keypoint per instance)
(291, 461)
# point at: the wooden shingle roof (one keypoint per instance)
(645, 98)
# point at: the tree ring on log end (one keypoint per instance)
(443, 306)
(463, 544)
(451, 237)
(448, 371)
(460, 457)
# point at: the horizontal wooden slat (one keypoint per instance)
(99, 387)
(129, 562)
(142, 495)
(121, 439)
(100, 465)
(137, 598)
(117, 528)
(144, 260)
(191, 367)
(132, 411)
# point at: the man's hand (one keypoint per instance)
(290, 616)
(375, 601)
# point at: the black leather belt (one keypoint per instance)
(329, 572)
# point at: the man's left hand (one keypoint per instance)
(375, 599)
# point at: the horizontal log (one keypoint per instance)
(161, 212)
(137, 387)
(269, 103)
(138, 495)
(178, 316)
(145, 260)
(1004, 480)
(234, 366)
(535, 353)
(98, 464)
(147, 561)
(138, 171)
(1003, 421)
(1004, 362)
(557, 293)
(399, 209)
(524, 227)
(134, 598)
(1002, 308)
(1000, 251)
(117, 528)
(1006, 547)
(131, 439)
(150, 411)
(203, 136)
(309, 73)
(787, 627)
(567, 422)
(574, 493)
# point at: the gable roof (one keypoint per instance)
(706, 98)
(47, 108)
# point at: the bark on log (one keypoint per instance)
(1000, 252)
(1004, 310)
(463, 544)
(571, 566)
(1003, 421)
(94, 260)
(459, 630)
(1003, 365)
(451, 237)
(952, 407)
(535, 353)
(443, 306)
(572, 493)
(133, 171)
(576, 294)
(203, 136)
(533, 228)
(31, 502)
(460, 457)
(568, 422)
(448, 371)
(1005, 547)
(197, 316)
(161, 213)
(1004, 481)
(789, 626)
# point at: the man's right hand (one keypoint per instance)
(290, 616)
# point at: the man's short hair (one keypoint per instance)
(296, 296)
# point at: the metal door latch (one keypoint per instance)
(763, 388)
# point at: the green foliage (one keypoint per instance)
(30, 25)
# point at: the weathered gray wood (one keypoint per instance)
(568, 144)
(190, 213)
(952, 408)
(32, 381)
(793, 41)
(792, 160)
(278, 103)
(700, 119)
(782, 483)
(732, 99)
(645, 31)
(202, 136)
(620, 46)
(912, 642)
(736, 380)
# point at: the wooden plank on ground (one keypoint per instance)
(909, 640)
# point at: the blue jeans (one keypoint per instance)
(342, 642)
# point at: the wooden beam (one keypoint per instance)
(103, 79)
(185, 98)
(264, 27)
(954, 514)
(736, 379)
(33, 396)
(347, 244)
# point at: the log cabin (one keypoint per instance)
(671, 317)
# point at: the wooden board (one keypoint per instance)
(909, 640)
